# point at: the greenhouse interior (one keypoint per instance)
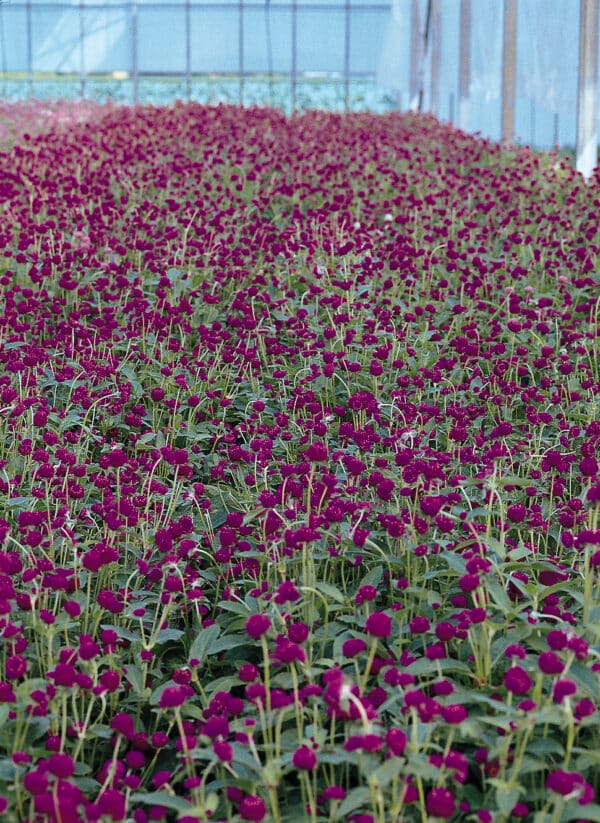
(299, 411)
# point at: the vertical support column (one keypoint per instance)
(81, 50)
(347, 55)
(464, 72)
(134, 50)
(188, 50)
(241, 50)
(294, 69)
(4, 56)
(587, 133)
(509, 70)
(29, 48)
(436, 55)
(415, 54)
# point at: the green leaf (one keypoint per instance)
(229, 641)
(586, 678)
(218, 518)
(135, 676)
(384, 774)
(499, 596)
(7, 770)
(124, 634)
(424, 666)
(204, 640)
(331, 591)
(372, 578)
(168, 634)
(352, 801)
(573, 811)
(162, 799)
(506, 800)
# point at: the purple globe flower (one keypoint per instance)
(379, 624)
(257, 625)
(440, 802)
(517, 680)
(305, 759)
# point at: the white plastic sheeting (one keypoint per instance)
(547, 66)
(331, 37)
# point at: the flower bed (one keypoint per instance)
(299, 473)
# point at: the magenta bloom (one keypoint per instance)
(305, 759)
(317, 452)
(517, 680)
(396, 741)
(353, 646)
(223, 750)
(440, 802)
(257, 625)
(379, 624)
(174, 696)
(516, 513)
(61, 765)
(253, 808)
(563, 688)
(550, 663)
(570, 783)
(455, 713)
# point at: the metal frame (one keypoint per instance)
(509, 70)
(426, 43)
(587, 93)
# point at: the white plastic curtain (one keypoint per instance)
(547, 64)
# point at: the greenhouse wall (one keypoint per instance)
(342, 41)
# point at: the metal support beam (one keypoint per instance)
(416, 48)
(134, 50)
(464, 74)
(241, 50)
(347, 56)
(294, 68)
(436, 55)
(29, 48)
(509, 70)
(188, 50)
(587, 132)
(81, 49)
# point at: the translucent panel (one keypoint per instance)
(321, 40)
(215, 38)
(161, 39)
(56, 39)
(450, 60)
(548, 54)
(14, 41)
(486, 50)
(268, 39)
(107, 38)
(393, 65)
(367, 32)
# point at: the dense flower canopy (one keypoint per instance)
(299, 471)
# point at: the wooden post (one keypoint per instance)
(509, 70)
(587, 133)
(464, 74)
